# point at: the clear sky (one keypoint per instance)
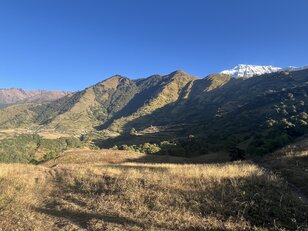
(72, 44)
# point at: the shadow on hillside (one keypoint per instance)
(126, 139)
(136, 102)
(215, 158)
(169, 134)
(140, 167)
(82, 219)
(77, 213)
(294, 169)
(158, 117)
(179, 119)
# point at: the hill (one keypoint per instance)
(100, 104)
(258, 114)
(120, 190)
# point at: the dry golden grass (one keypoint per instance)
(9, 133)
(53, 135)
(118, 190)
(21, 189)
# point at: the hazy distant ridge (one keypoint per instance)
(17, 95)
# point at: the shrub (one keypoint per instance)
(150, 148)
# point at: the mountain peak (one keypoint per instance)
(248, 70)
(114, 78)
(178, 72)
(112, 82)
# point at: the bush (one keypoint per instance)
(51, 155)
(133, 132)
(150, 148)
(274, 140)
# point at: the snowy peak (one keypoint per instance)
(247, 71)
(292, 68)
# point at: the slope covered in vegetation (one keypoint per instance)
(28, 148)
(259, 114)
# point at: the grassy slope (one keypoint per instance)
(291, 163)
(118, 190)
(79, 112)
(17, 116)
(77, 118)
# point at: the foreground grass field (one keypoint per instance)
(119, 190)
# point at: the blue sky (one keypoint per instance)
(72, 44)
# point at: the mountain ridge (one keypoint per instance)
(9, 96)
(175, 106)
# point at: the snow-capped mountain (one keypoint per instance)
(292, 68)
(247, 71)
